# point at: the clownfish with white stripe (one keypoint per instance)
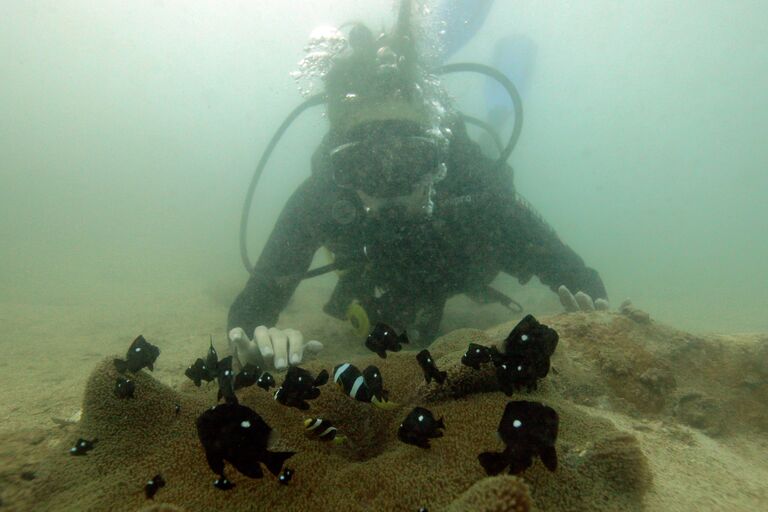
(323, 430)
(365, 386)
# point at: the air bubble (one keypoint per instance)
(325, 43)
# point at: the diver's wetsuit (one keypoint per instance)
(403, 273)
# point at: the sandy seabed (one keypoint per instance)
(652, 418)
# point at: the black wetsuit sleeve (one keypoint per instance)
(286, 256)
(530, 247)
(524, 245)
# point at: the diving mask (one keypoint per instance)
(386, 166)
(390, 173)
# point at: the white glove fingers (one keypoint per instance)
(602, 305)
(280, 347)
(567, 299)
(584, 301)
(237, 338)
(295, 346)
(261, 335)
(239, 346)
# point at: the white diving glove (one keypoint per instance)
(581, 301)
(279, 346)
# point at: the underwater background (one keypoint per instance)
(130, 130)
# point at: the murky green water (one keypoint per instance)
(130, 131)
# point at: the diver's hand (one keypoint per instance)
(581, 301)
(279, 346)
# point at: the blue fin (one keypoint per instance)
(461, 20)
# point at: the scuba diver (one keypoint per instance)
(410, 208)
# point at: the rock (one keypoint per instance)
(634, 313)
(503, 493)
(701, 412)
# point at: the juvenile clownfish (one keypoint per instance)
(323, 430)
(364, 387)
(351, 381)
